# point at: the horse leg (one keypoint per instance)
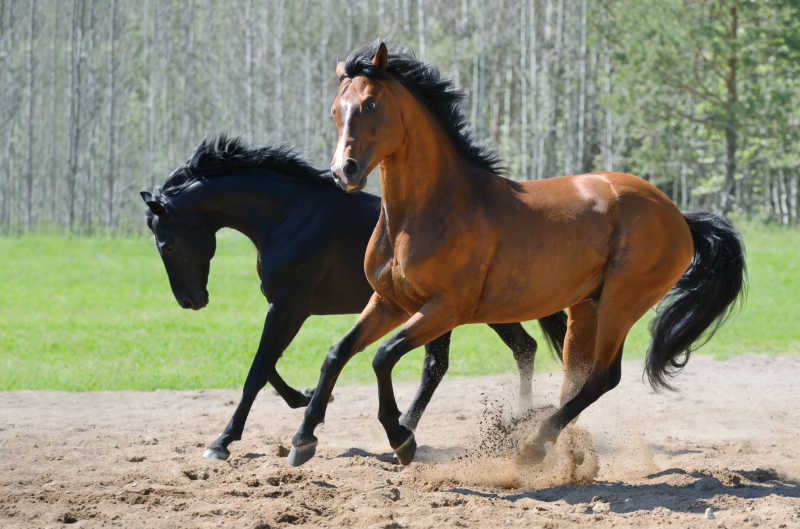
(377, 318)
(578, 352)
(429, 322)
(523, 346)
(593, 346)
(582, 383)
(280, 327)
(433, 369)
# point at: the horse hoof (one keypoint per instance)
(216, 452)
(405, 452)
(531, 452)
(300, 454)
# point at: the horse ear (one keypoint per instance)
(157, 208)
(340, 70)
(381, 57)
(146, 196)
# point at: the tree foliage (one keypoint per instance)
(102, 99)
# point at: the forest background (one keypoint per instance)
(104, 98)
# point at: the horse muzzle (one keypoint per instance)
(194, 300)
(350, 177)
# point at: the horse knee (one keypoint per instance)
(382, 360)
(334, 360)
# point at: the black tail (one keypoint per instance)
(702, 298)
(554, 328)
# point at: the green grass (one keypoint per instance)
(98, 313)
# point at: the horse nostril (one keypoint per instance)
(350, 168)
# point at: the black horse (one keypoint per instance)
(308, 264)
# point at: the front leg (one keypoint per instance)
(280, 327)
(432, 320)
(378, 317)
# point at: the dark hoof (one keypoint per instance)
(216, 452)
(300, 454)
(405, 452)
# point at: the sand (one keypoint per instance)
(723, 452)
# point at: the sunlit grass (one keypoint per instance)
(98, 313)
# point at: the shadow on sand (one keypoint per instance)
(693, 495)
(425, 454)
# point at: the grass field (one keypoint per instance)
(98, 313)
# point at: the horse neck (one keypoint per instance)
(424, 170)
(252, 206)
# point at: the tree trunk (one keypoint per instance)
(250, 90)
(793, 198)
(505, 112)
(55, 95)
(151, 78)
(581, 125)
(112, 115)
(307, 64)
(783, 191)
(75, 121)
(684, 187)
(277, 34)
(767, 197)
(92, 113)
(608, 142)
(730, 118)
(30, 118)
(523, 89)
(188, 75)
(421, 27)
(326, 75)
(776, 197)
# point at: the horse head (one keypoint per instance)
(186, 244)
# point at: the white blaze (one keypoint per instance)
(339, 156)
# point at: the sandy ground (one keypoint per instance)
(722, 452)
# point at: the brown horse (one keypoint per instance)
(457, 243)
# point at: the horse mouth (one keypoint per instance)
(194, 301)
(353, 187)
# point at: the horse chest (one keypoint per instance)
(393, 275)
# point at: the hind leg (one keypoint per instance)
(588, 376)
(578, 350)
(578, 354)
(433, 369)
(523, 346)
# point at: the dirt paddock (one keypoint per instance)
(722, 452)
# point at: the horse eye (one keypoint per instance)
(370, 105)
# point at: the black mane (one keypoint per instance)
(220, 155)
(437, 94)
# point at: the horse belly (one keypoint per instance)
(532, 276)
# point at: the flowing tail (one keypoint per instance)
(554, 328)
(704, 297)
